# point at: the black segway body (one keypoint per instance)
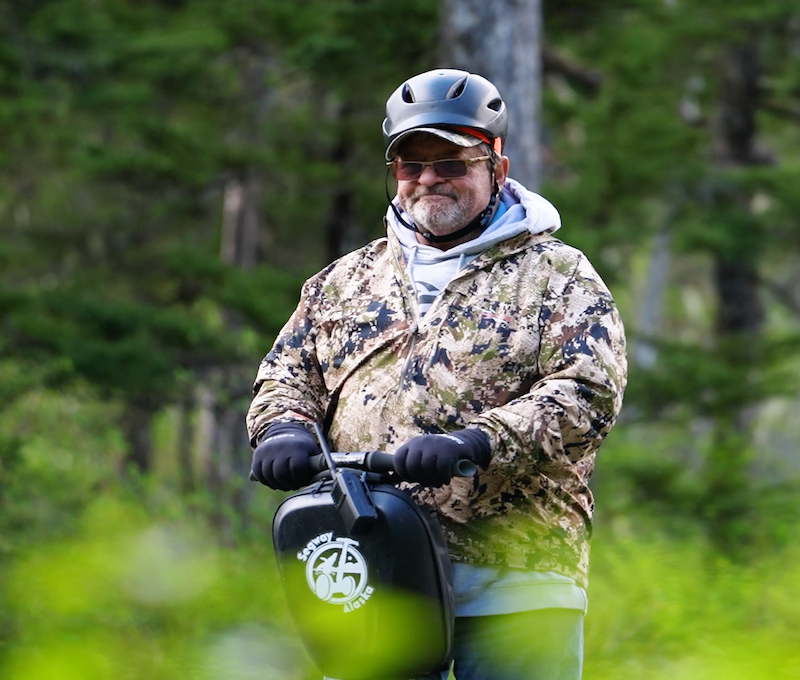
(368, 580)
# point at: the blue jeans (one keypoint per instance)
(545, 644)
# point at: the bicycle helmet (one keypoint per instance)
(448, 103)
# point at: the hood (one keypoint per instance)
(520, 210)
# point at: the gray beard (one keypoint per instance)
(437, 219)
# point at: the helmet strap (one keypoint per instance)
(478, 224)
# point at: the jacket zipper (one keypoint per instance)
(413, 331)
(412, 345)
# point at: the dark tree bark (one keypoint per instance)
(740, 308)
(137, 420)
(225, 391)
(229, 449)
(740, 311)
(343, 233)
(186, 440)
(239, 241)
(500, 40)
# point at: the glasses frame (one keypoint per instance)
(466, 161)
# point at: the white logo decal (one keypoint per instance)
(336, 571)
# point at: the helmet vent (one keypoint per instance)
(495, 104)
(408, 94)
(457, 88)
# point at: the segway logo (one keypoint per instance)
(336, 571)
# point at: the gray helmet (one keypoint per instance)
(444, 98)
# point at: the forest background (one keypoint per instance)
(171, 171)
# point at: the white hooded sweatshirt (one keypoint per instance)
(431, 269)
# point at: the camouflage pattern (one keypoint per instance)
(525, 343)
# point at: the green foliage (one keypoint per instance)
(141, 351)
(688, 482)
(713, 383)
(648, 135)
(109, 581)
(662, 608)
(133, 595)
(123, 121)
(118, 124)
(642, 155)
(116, 584)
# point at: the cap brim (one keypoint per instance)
(457, 138)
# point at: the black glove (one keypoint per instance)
(282, 458)
(429, 458)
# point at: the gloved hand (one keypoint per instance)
(282, 458)
(429, 458)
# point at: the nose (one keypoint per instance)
(429, 177)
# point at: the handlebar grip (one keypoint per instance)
(464, 467)
(380, 462)
(318, 464)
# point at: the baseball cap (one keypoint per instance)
(460, 136)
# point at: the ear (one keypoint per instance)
(501, 170)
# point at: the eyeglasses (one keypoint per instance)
(446, 169)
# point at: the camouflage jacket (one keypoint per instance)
(525, 343)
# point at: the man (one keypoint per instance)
(468, 332)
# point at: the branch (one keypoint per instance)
(770, 101)
(783, 295)
(585, 79)
(781, 110)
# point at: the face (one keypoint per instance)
(443, 206)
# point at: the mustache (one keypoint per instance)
(435, 191)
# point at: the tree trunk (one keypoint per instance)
(648, 324)
(501, 40)
(240, 221)
(225, 392)
(186, 439)
(740, 312)
(137, 420)
(342, 231)
(229, 452)
(740, 309)
(224, 395)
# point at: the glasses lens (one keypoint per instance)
(406, 170)
(450, 168)
(411, 170)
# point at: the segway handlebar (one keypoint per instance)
(376, 461)
(367, 461)
(350, 491)
(380, 462)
